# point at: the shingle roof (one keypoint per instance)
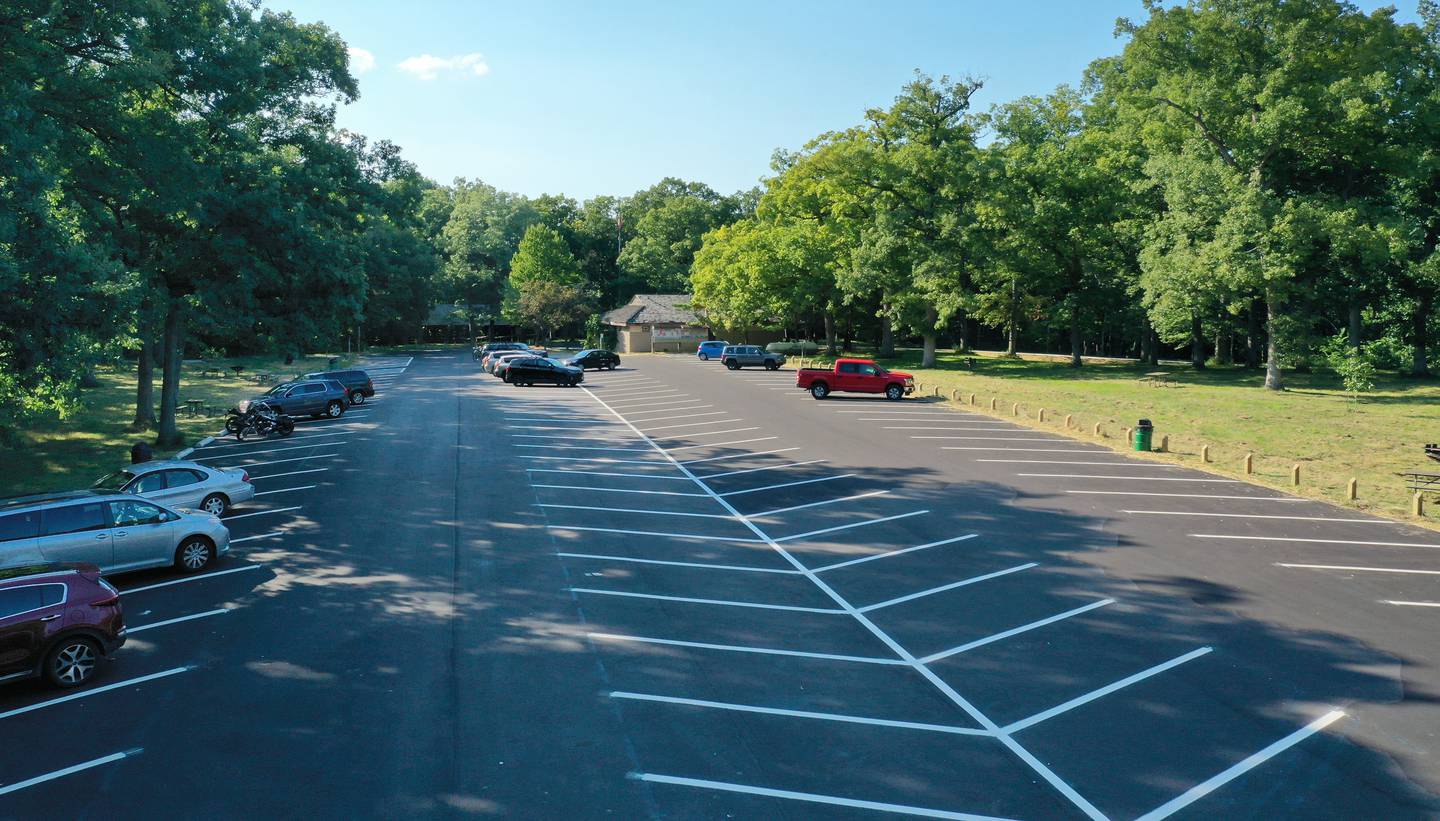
(656, 309)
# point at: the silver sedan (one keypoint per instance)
(183, 484)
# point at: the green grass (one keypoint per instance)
(56, 454)
(1313, 423)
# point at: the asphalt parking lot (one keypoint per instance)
(684, 592)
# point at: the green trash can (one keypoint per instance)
(1144, 434)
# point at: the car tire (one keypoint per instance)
(72, 661)
(704, 357)
(215, 504)
(195, 554)
(357, 398)
(819, 390)
(732, 364)
(894, 392)
(335, 409)
(772, 365)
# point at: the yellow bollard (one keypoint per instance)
(1096, 431)
(1126, 437)
(972, 399)
(1295, 475)
(1417, 504)
(1352, 490)
(994, 402)
(1068, 421)
(955, 395)
(1015, 409)
(1249, 463)
(1042, 414)
(1205, 453)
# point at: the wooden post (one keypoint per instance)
(1126, 438)
(972, 399)
(937, 391)
(993, 402)
(1352, 490)
(1068, 421)
(1096, 431)
(1042, 414)
(1205, 453)
(1249, 463)
(955, 395)
(1417, 504)
(1295, 475)
(1165, 444)
(1015, 409)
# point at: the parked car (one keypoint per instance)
(57, 621)
(488, 363)
(479, 351)
(711, 349)
(596, 358)
(498, 362)
(736, 357)
(534, 370)
(317, 397)
(118, 532)
(357, 382)
(182, 484)
(855, 375)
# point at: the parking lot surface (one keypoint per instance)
(684, 592)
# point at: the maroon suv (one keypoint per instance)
(57, 621)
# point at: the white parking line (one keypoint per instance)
(720, 444)
(688, 600)
(1105, 691)
(1352, 568)
(188, 579)
(259, 513)
(1061, 462)
(249, 453)
(585, 447)
(1024, 628)
(889, 553)
(1310, 541)
(650, 390)
(1096, 451)
(850, 526)
(1186, 495)
(638, 510)
(931, 427)
(736, 456)
(291, 473)
(997, 438)
(283, 461)
(698, 565)
(584, 419)
(609, 460)
(255, 538)
(572, 438)
(691, 435)
(633, 414)
(645, 397)
(785, 484)
(1135, 478)
(951, 586)
(1245, 765)
(696, 424)
(1255, 516)
(168, 622)
(620, 490)
(813, 798)
(731, 648)
(757, 470)
(648, 403)
(129, 682)
(71, 770)
(815, 504)
(285, 490)
(624, 532)
(777, 711)
(607, 473)
(1412, 603)
(296, 436)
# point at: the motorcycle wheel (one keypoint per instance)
(285, 428)
(232, 424)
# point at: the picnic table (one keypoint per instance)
(1159, 379)
(194, 406)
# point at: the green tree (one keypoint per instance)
(546, 282)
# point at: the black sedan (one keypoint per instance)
(535, 370)
(596, 358)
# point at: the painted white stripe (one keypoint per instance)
(637, 510)
(700, 536)
(815, 504)
(1096, 451)
(129, 682)
(1137, 478)
(889, 553)
(291, 473)
(261, 512)
(558, 427)
(1241, 767)
(785, 484)
(813, 798)
(719, 444)
(696, 424)
(1024, 628)
(586, 447)
(605, 473)
(609, 460)
(1412, 603)
(619, 490)
(51, 776)
(648, 397)
(707, 433)
(612, 437)
(680, 416)
(169, 622)
(189, 579)
(1060, 462)
(688, 600)
(736, 456)
(937, 411)
(1105, 691)
(261, 536)
(699, 565)
(1186, 495)
(731, 648)
(951, 586)
(932, 427)
(249, 453)
(777, 711)
(1311, 541)
(757, 470)
(851, 526)
(285, 489)
(998, 438)
(1256, 516)
(648, 403)
(585, 419)
(1353, 568)
(283, 461)
(635, 413)
(296, 436)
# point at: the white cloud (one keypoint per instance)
(428, 67)
(361, 60)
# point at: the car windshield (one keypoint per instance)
(114, 481)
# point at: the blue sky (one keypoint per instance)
(587, 98)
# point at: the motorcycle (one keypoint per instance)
(257, 419)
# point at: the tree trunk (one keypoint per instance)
(1421, 364)
(962, 345)
(1154, 336)
(1252, 335)
(887, 337)
(1357, 327)
(927, 359)
(170, 374)
(145, 386)
(1076, 344)
(1225, 345)
(829, 334)
(1273, 380)
(1197, 343)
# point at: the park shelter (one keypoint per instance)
(656, 322)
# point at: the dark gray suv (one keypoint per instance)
(316, 397)
(356, 381)
(736, 357)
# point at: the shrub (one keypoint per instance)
(1355, 368)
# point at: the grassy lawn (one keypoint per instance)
(69, 453)
(1313, 423)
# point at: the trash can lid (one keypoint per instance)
(1144, 423)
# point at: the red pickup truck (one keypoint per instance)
(856, 376)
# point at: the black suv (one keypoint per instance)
(357, 382)
(594, 358)
(533, 370)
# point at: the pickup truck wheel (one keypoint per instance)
(894, 392)
(819, 390)
(732, 364)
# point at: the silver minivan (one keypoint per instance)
(117, 532)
